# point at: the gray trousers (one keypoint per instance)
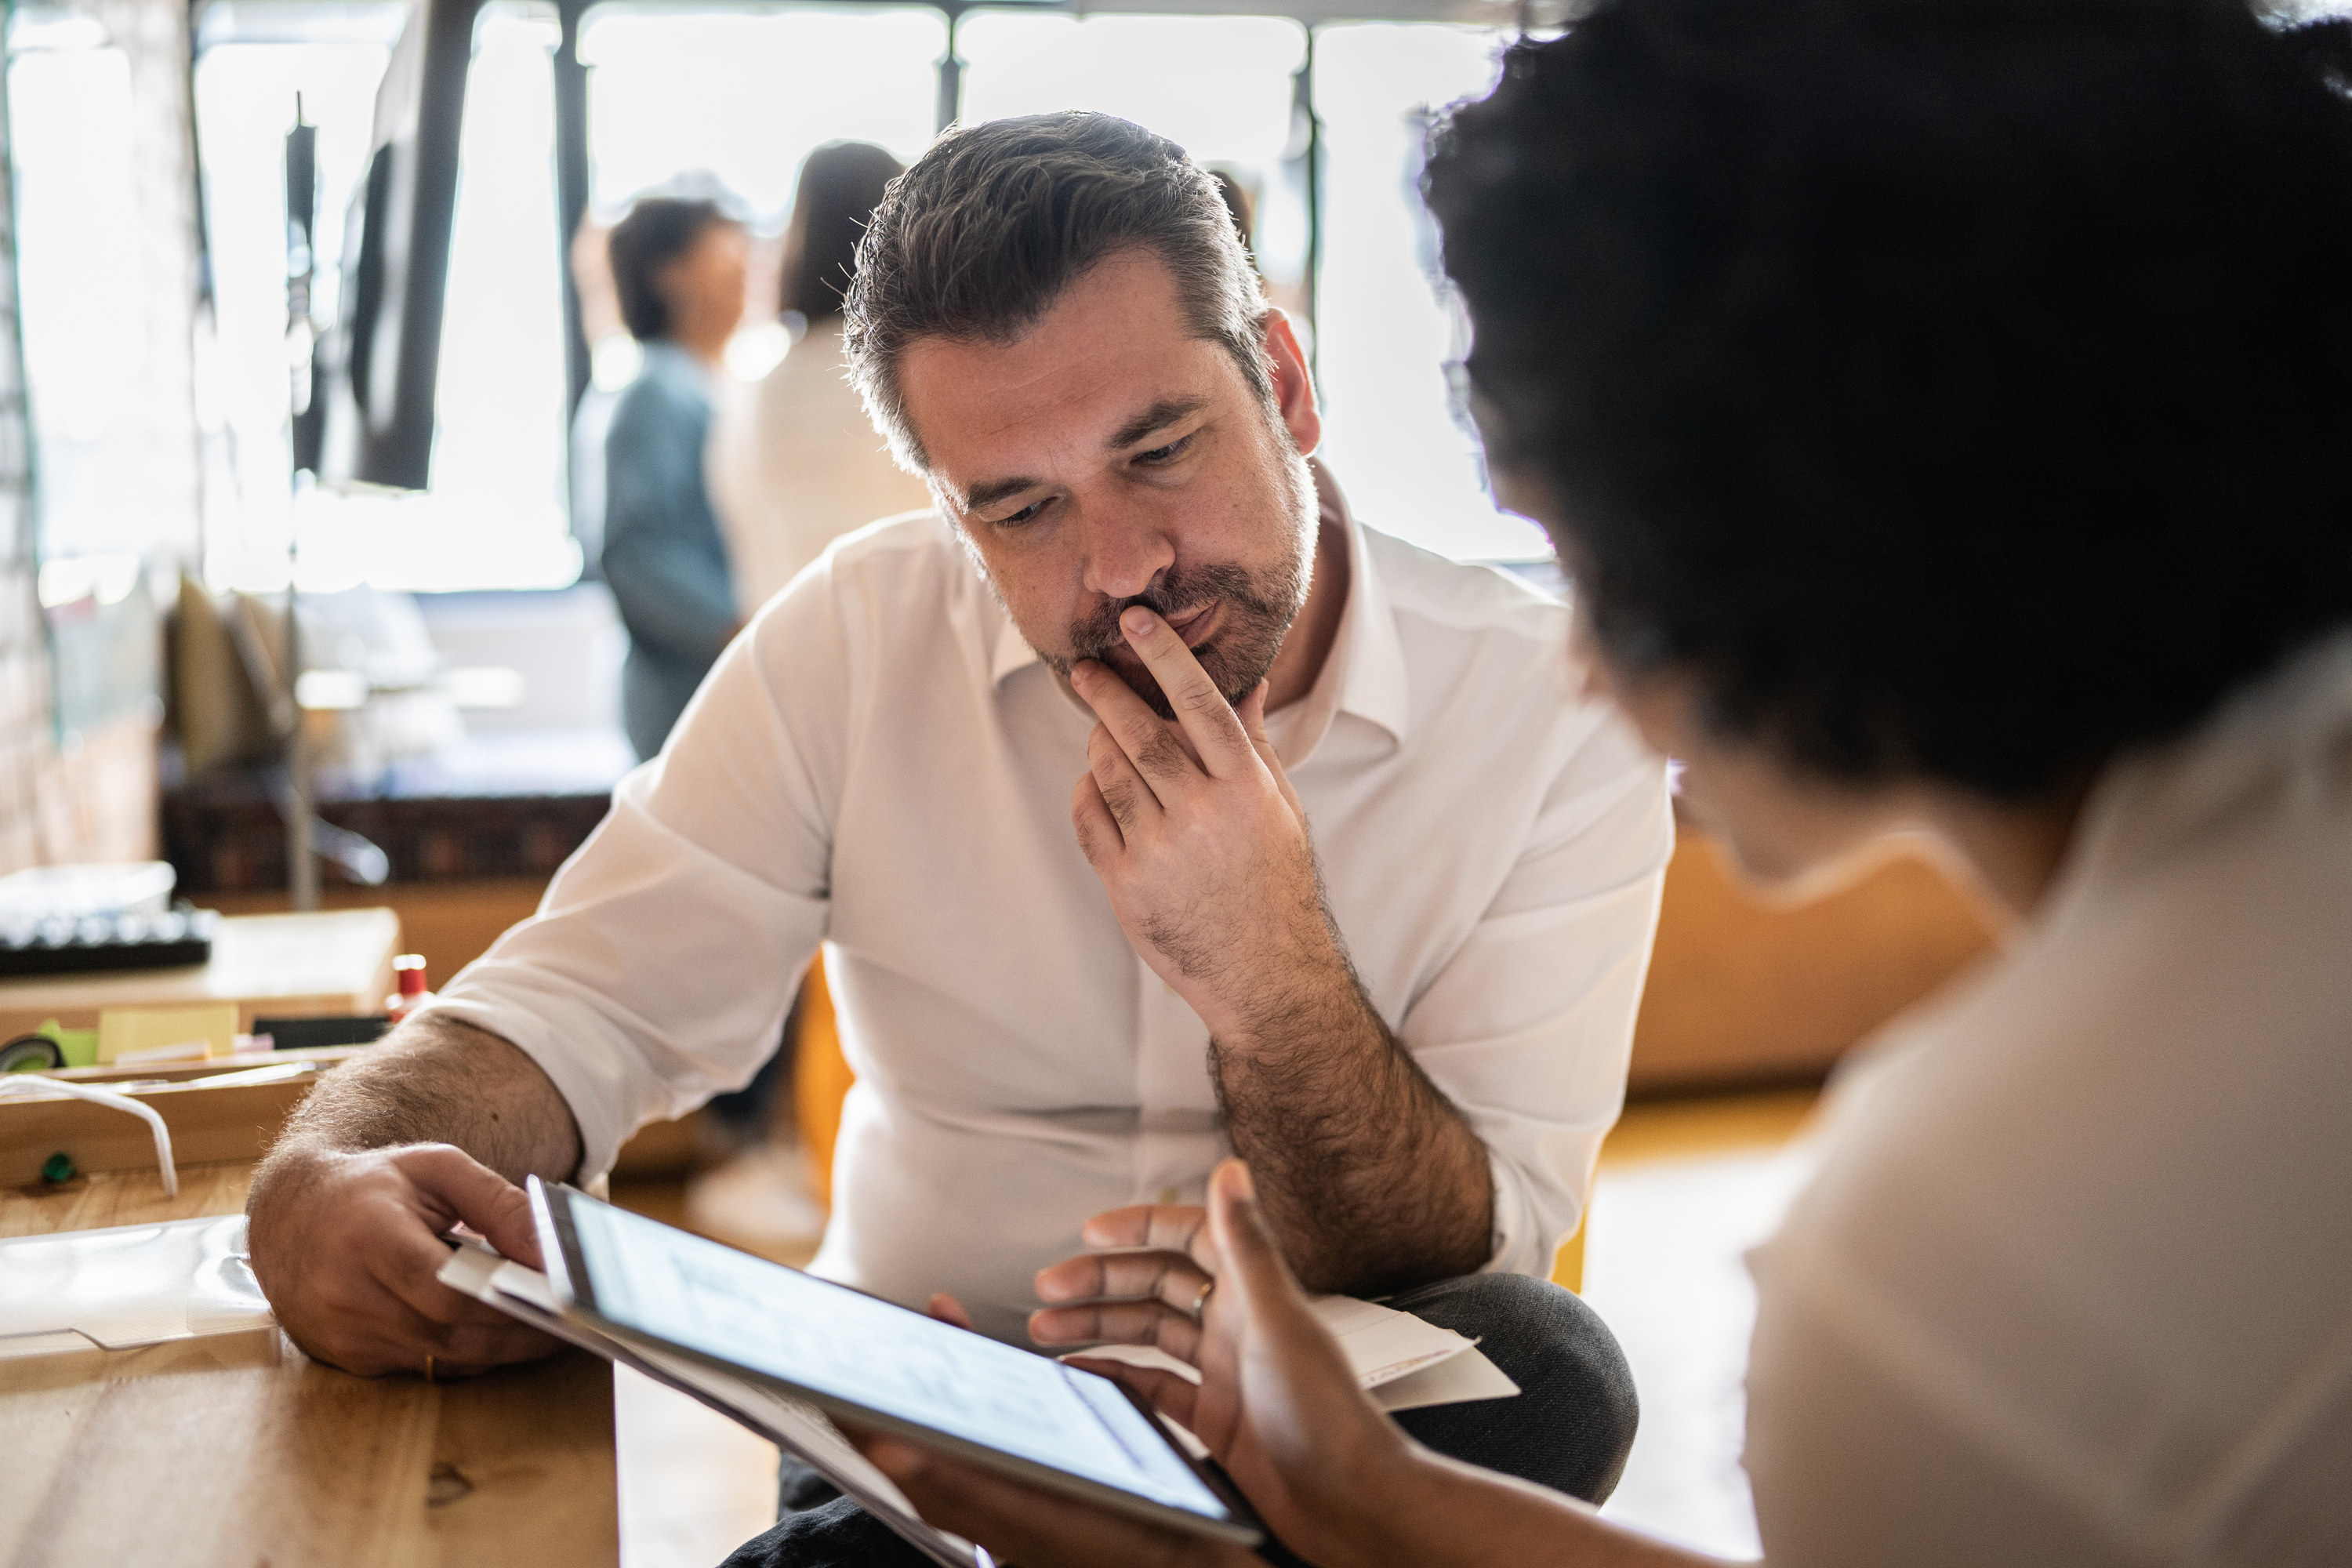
(1571, 1429)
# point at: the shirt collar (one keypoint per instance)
(2280, 733)
(1364, 674)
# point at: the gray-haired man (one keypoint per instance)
(1040, 769)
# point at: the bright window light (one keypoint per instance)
(494, 516)
(83, 295)
(1391, 434)
(245, 98)
(1220, 87)
(743, 96)
(499, 519)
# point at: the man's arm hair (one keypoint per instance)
(1371, 1176)
(437, 1080)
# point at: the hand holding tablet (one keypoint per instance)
(875, 1363)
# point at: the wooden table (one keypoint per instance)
(335, 961)
(239, 1451)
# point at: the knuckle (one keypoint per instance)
(339, 1296)
(1197, 696)
(1159, 752)
(448, 1315)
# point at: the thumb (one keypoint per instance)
(453, 1185)
(1253, 1262)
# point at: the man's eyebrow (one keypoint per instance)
(1167, 411)
(988, 492)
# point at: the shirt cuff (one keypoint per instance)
(595, 1105)
(1525, 1239)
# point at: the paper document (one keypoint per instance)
(1403, 1362)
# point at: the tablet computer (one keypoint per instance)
(878, 1365)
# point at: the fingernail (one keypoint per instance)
(1136, 621)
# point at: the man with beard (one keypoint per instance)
(1063, 999)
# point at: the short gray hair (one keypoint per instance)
(978, 239)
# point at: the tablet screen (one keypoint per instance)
(830, 1341)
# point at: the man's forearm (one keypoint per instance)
(436, 1081)
(1371, 1177)
(426, 1130)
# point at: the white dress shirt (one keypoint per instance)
(2072, 1288)
(882, 762)
(794, 464)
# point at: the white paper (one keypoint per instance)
(1455, 1381)
(1402, 1361)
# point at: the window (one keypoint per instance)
(494, 516)
(730, 101)
(1394, 436)
(743, 96)
(1222, 87)
(84, 295)
(499, 416)
(735, 96)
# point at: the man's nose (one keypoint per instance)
(1124, 554)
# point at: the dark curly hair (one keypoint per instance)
(1955, 389)
(656, 232)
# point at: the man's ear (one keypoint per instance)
(1293, 388)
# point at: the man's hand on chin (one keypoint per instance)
(1202, 842)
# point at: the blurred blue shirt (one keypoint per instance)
(662, 553)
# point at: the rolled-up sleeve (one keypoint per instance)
(661, 962)
(1528, 1027)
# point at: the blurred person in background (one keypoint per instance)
(678, 267)
(797, 463)
(792, 465)
(1238, 203)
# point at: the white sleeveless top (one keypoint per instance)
(794, 464)
(2073, 1284)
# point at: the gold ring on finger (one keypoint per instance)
(428, 1366)
(1200, 1301)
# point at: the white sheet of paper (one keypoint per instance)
(1404, 1362)
(1454, 1381)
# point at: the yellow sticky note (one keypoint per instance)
(147, 1031)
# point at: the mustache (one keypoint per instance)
(1096, 634)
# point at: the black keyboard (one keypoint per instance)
(62, 944)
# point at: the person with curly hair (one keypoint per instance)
(1940, 407)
